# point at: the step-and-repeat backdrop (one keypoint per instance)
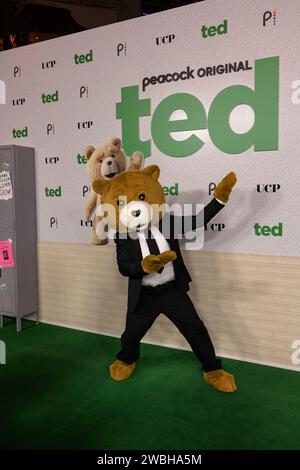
(200, 90)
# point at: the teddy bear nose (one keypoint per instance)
(109, 162)
(135, 213)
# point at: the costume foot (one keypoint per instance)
(119, 370)
(220, 380)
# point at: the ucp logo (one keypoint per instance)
(263, 100)
(2, 92)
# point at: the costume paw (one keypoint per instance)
(225, 186)
(119, 370)
(167, 256)
(220, 380)
(153, 263)
(100, 228)
(96, 241)
(136, 161)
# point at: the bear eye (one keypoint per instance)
(120, 202)
(100, 161)
(142, 197)
(113, 156)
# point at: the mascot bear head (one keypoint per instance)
(108, 160)
(132, 200)
(105, 161)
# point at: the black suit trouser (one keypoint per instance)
(178, 307)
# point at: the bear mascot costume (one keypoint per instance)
(148, 254)
(105, 162)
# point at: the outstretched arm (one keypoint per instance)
(184, 224)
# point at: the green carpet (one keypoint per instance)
(55, 393)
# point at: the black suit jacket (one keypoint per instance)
(129, 253)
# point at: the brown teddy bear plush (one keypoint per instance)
(148, 254)
(105, 162)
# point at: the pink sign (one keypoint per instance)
(6, 254)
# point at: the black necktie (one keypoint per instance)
(152, 245)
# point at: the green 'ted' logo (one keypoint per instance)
(263, 99)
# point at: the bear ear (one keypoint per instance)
(152, 170)
(88, 151)
(116, 142)
(99, 186)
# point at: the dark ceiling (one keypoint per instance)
(23, 22)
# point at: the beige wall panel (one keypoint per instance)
(250, 303)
